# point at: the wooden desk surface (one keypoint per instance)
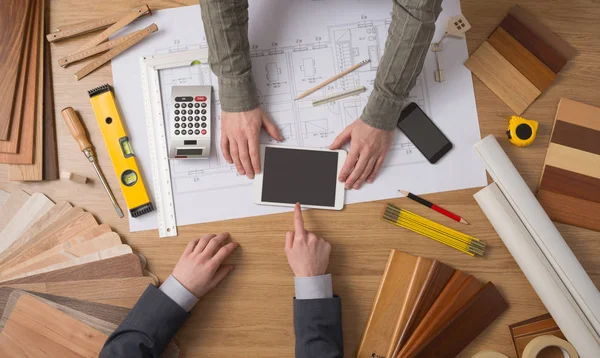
(250, 314)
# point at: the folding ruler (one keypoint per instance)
(97, 43)
(157, 137)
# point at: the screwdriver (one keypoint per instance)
(78, 132)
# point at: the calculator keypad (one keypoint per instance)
(190, 114)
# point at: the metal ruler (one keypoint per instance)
(157, 137)
(115, 51)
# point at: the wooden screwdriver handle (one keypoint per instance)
(76, 127)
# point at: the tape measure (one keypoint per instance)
(120, 150)
(521, 132)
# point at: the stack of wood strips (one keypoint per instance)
(27, 131)
(520, 59)
(75, 276)
(424, 308)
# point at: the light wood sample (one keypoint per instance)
(12, 205)
(502, 78)
(35, 207)
(35, 328)
(579, 114)
(573, 160)
(3, 197)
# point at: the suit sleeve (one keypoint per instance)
(149, 327)
(318, 328)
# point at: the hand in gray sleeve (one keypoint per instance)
(409, 38)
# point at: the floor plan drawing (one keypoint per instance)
(286, 61)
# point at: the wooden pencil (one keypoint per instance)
(334, 78)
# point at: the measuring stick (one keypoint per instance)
(78, 56)
(337, 96)
(115, 51)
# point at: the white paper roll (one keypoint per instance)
(541, 228)
(538, 270)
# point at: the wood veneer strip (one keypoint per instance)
(459, 290)
(502, 78)
(523, 60)
(570, 210)
(548, 55)
(573, 160)
(438, 276)
(115, 267)
(4, 195)
(574, 136)
(122, 292)
(24, 153)
(65, 252)
(13, 16)
(50, 154)
(472, 319)
(387, 304)
(34, 171)
(41, 224)
(578, 113)
(35, 207)
(572, 184)
(543, 32)
(15, 201)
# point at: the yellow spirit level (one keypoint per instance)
(120, 150)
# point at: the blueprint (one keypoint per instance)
(307, 42)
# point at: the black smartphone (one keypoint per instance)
(421, 131)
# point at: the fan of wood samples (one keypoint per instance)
(27, 129)
(66, 281)
(424, 308)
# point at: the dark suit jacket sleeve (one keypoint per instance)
(318, 327)
(148, 328)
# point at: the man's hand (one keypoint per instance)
(199, 269)
(307, 254)
(368, 147)
(240, 133)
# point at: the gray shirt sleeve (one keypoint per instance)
(178, 293)
(315, 287)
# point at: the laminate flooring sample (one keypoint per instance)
(502, 78)
(11, 206)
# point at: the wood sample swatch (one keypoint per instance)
(13, 16)
(564, 182)
(72, 262)
(65, 252)
(50, 159)
(34, 171)
(546, 53)
(578, 113)
(573, 160)
(4, 195)
(122, 292)
(42, 223)
(472, 319)
(26, 143)
(68, 227)
(387, 304)
(35, 207)
(459, 290)
(437, 277)
(577, 137)
(502, 78)
(115, 267)
(570, 210)
(35, 328)
(523, 60)
(12, 205)
(525, 331)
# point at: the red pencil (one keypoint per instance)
(439, 209)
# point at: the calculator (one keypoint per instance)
(190, 122)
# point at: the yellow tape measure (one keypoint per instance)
(521, 132)
(120, 150)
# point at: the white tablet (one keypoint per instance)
(308, 176)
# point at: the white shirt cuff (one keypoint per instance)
(178, 293)
(310, 288)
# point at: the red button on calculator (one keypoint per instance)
(203, 131)
(200, 98)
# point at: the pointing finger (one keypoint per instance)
(298, 220)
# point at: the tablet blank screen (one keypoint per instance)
(305, 176)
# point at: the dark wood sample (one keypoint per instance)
(577, 137)
(525, 331)
(548, 55)
(50, 153)
(13, 17)
(569, 183)
(570, 210)
(524, 61)
(115, 267)
(472, 319)
(543, 32)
